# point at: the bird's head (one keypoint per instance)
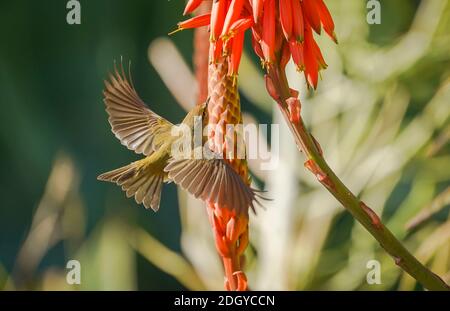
(198, 111)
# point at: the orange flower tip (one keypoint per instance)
(334, 37)
(186, 11)
(175, 31)
(311, 85)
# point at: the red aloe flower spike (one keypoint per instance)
(257, 7)
(268, 31)
(298, 26)
(218, 13)
(240, 25)
(327, 19)
(312, 14)
(191, 6)
(298, 55)
(234, 12)
(286, 18)
(194, 22)
(236, 53)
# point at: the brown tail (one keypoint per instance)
(145, 187)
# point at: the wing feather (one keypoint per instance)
(213, 181)
(132, 122)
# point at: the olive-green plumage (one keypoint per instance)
(145, 132)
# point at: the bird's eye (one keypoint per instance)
(204, 112)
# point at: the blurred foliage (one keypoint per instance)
(381, 114)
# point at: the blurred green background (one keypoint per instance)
(55, 140)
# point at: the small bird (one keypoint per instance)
(143, 131)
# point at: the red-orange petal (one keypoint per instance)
(257, 45)
(318, 55)
(216, 50)
(298, 26)
(233, 13)
(311, 64)
(286, 18)
(236, 52)
(240, 25)
(327, 19)
(257, 7)
(194, 22)
(218, 13)
(285, 55)
(268, 31)
(191, 6)
(297, 52)
(312, 14)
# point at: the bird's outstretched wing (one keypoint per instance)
(133, 123)
(213, 181)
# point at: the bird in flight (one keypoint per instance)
(145, 132)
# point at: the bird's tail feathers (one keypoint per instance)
(135, 181)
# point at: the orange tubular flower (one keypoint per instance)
(234, 11)
(257, 8)
(286, 18)
(280, 29)
(236, 54)
(298, 26)
(239, 26)
(327, 20)
(311, 63)
(218, 14)
(312, 14)
(268, 31)
(195, 22)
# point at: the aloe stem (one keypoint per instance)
(361, 212)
